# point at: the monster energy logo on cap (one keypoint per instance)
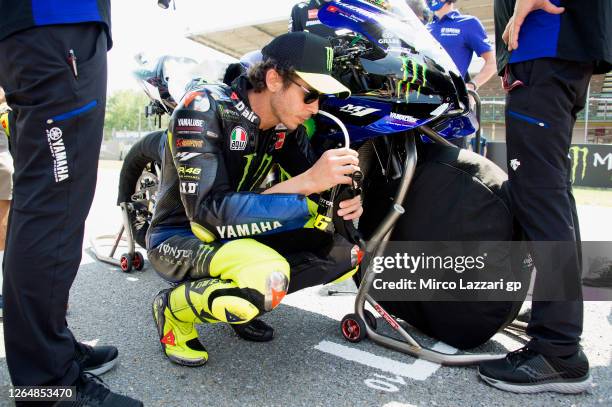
(312, 58)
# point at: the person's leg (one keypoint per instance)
(5, 206)
(56, 143)
(6, 192)
(314, 257)
(337, 264)
(4, 210)
(233, 283)
(542, 198)
(539, 121)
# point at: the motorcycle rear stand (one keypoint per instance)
(355, 327)
(127, 261)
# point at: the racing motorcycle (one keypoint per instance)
(407, 101)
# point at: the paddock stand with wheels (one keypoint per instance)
(129, 260)
(361, 324)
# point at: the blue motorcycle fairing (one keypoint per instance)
(403, 89)
(365, 117)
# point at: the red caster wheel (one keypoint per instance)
(138, 261)
(370, 319)
(353, 328)
(126, 262)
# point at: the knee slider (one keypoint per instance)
(277, 284)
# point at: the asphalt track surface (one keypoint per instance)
(308, 363)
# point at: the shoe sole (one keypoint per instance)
(565, 387)
(186, 362)
(103, 368)
(160, 329)
(597, 283)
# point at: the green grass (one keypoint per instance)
(593, 196)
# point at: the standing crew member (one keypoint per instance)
(550, 56)
(304, 18)
(53, 69)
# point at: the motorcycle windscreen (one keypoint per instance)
(406, 65)
(184, 72)
(390, 25)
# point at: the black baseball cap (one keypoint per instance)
(311, 56)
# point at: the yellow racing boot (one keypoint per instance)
(179, 340)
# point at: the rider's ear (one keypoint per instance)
(274, 81)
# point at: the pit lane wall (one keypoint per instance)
(591, 163)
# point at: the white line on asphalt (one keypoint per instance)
(419, 370)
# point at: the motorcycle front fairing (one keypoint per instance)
(406, 78)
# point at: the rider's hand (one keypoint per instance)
(521, 9)
(350, 208)
(333, 168)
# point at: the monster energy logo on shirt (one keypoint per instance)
(261, 171)
(330, 58)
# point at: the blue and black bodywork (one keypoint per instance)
(399, 76)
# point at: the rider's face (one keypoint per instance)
(289, 104)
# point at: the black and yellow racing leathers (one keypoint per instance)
(236, 252)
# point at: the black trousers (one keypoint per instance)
(540, 117)
(59, 118)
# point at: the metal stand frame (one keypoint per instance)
(96, 242)
(144, 195)
(476, 97)
(376, 247)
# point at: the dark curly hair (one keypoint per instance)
(257, 74)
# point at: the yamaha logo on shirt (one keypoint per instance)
(450, 31)
(238, 139)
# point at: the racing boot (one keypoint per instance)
(179, 339)
(255, 330)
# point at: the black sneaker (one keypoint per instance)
(255, 331)
(92, 392)
(96, 359)
(600, 273)
(527, 371)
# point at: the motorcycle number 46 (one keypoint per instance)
(358, 111)
(189, 187)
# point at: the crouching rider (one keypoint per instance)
(232, 249)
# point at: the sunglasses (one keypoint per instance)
(310, 95)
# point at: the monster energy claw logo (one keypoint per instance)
(330, 57)
(409, 64)
(575, 153)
